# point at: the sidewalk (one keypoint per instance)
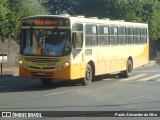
(10, 71)
(151, 63)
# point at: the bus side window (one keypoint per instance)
(103, 35)
(122, 35)
(129, 35)
(114, 35)
(143, 35)
(91, 35)
(137, 36)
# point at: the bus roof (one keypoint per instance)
(94, 20)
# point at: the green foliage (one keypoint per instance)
(4, 10)
(60, 6)
(140, 11)
(128, 10)
(11, 13)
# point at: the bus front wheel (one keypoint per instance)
(127, 72)
(88, 75)
(46, 81)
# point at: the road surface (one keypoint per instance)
(140, 92)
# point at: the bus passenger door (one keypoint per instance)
(78, 56)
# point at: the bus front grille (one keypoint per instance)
(42, 60)
(42, 68)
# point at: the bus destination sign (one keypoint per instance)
(44, 21)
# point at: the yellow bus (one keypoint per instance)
(70, 48)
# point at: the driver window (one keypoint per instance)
(78, 29)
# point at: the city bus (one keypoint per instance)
(79, 48)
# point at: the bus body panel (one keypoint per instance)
(106, 59)
(71, 72)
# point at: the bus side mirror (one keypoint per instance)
(74, 37)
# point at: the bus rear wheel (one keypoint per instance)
(88, 75)
(127, 72)
(46, 81)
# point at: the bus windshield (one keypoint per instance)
(45, 42)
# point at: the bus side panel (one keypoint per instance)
(141, 59)
(78, 70)
(144, 58)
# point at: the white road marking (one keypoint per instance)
(158, 80)
(142, 96)
(67, 91)
(107, 79)
(134, 77)
(148, 78)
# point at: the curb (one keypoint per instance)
(6, 75)
(14, 71)
(151, 63)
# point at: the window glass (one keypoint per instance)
(122, 35)
(114, 35)
(114, 30)
(77, 40)
(91, 30)
(46, 42)
(103, 35)
(143, 35)
(130, 35)
(91, 35)
(137, 37)
(78, 27)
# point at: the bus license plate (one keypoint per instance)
(41, 73)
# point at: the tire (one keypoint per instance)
(88, 75)
(127, 72)
(46, 81)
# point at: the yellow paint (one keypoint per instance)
(77, 70)
(69, 73)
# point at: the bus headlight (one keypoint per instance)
(66, 64)
(63, 66)
(20, 62)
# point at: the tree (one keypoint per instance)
(20, 9)
(90, 8)
(128, 10)
(4, 10)
(12, 11)
(60, 6)
(140, 11)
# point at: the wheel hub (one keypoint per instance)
(88, 75)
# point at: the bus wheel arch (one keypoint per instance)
(89, 73)
(129, 66)
(91, 63)
(130, 58)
